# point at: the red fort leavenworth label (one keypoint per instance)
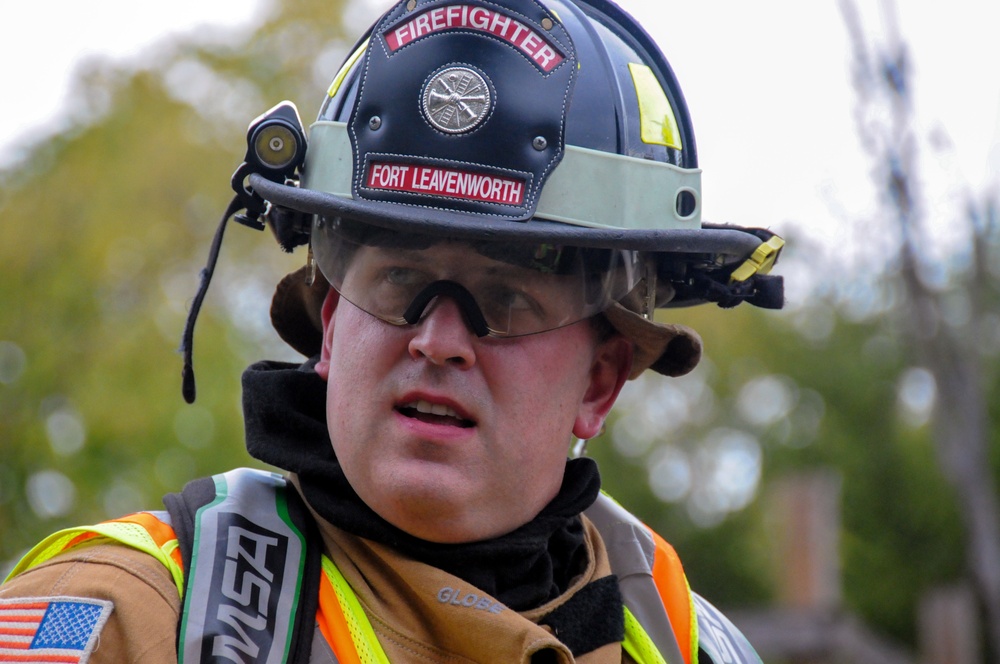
(447, 182)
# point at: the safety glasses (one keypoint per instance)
(504, 289)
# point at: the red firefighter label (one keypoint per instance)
(536, 46)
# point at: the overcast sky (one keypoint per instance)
(767, 84)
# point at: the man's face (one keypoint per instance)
(453, 437)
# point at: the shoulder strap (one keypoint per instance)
(251, 555)
(182, 508)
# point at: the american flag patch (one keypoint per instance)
(45, 630)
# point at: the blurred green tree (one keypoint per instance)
(888, 374)
(108, 227)
(109, 223)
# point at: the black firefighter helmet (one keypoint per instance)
(553, 122)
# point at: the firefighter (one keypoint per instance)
(497, 195)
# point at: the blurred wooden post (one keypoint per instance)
(811, 626)
(807, 508)
(948, 627)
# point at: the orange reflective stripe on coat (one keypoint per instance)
(342, 620)
(333, 624)
(671, 583)
(144, 531)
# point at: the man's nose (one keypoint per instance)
(443, 336)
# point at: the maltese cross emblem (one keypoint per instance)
(456, 100)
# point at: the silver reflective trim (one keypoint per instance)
(588, 188)
(631, 551)
(160, 515)
(320, 652)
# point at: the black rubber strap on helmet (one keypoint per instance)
(187, 340)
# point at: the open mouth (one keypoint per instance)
(434, 413)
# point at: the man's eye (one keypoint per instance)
(403, 276)
(510, 301)
(516, 300)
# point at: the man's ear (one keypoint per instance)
(326, 314)
(611, 367)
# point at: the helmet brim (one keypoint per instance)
(727, 245)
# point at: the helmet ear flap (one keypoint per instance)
(296, 310)
(290, 227)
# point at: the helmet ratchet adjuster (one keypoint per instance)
(750, 281)
(276, 149)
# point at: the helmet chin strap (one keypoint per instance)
(460, 294)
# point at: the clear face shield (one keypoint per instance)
(504, 289)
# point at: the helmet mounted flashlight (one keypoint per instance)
(276, 147)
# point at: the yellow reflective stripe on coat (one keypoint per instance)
(344, 623)
(342, 619)
(638, 644)
(143, 531)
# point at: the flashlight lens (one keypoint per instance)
(275, 146)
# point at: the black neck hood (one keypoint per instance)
(285, 412)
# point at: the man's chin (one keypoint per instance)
(436, 512)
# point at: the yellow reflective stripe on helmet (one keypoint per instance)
(656, 116)
(364, 638)
(761, 261)
(638, 644)
(346, 67)
(129, 534)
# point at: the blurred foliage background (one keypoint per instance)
(108, 224)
